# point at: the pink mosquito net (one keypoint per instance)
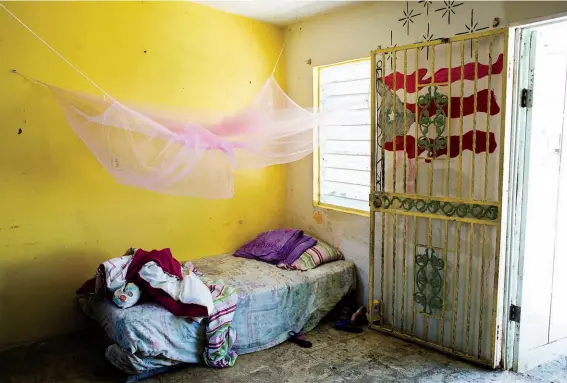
(191, 157)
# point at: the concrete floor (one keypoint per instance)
(335, 357)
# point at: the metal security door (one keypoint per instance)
(437, 160)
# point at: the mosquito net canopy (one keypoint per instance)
(192, 156)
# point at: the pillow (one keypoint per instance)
(319, 254)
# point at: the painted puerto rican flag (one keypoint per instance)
(483, 106)
(480, 85)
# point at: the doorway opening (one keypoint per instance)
(535, 321)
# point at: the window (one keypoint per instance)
(342, 154)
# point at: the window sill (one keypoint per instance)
(345, 210)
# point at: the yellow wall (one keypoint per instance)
(60, 213)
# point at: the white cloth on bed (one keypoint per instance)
(189, 290)
(115, 272)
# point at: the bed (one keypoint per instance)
(271, 303)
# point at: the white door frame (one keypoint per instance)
(518, 131)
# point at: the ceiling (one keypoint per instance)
(279, 12)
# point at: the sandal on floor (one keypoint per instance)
(299, 339)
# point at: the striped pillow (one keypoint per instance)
(317, 255)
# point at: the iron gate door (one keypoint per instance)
(435, 203)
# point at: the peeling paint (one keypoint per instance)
(318, 217)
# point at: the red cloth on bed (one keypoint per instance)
(171, 266)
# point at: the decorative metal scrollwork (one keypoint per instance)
(429, 282)
(448, 209)
(438, 120)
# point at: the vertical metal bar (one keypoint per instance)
(485, 197)
(394, 176)
(472, 184)
(460, 186)
(434, 154)
(448, 184)
(417, 121)
(430, 188)
(469, 285)
(416, 181)
(481, 280)
(429, 244)
(456, 300)
(447, 191)
(405, 118)
(395, 120)
(500, 179)
(442, 330)
(373, 128)
(472, 194)
(404, 243)
(394, 220)
(386, 238)
(383, 186)
(413, 275)
(488, 115)
(448, 156)
(404, 240)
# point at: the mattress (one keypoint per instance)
(271, 302)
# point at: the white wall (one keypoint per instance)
(351, 33)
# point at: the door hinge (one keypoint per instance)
(515, 313)
(526, 100)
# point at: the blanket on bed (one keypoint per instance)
(283, 246)
(220, 333)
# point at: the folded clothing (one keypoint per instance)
(317, 255)
(282, 246)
